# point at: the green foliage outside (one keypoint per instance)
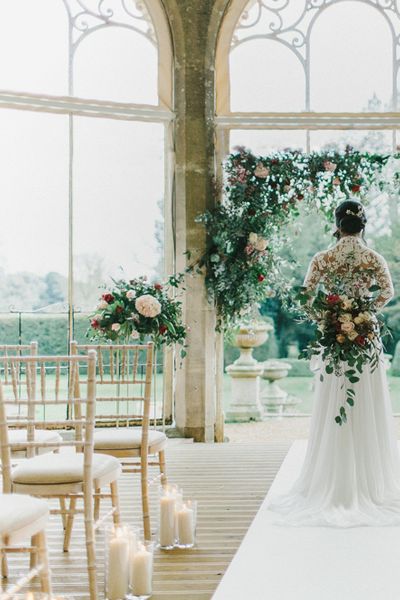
(50, 331)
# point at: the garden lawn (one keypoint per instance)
(302, 387)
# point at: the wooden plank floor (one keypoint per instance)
(228, 480)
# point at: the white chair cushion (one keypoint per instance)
(51, 469)
(126, 438)
(18, 437)
(22, 516)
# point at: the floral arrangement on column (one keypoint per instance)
(261, 195)
(135, 309)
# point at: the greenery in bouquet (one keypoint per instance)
(137, 309)
(348, 334)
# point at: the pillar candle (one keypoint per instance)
(118, 566)
(133, 548)
(142, 571)
(178, 506)
(186, 526)
(167, 520)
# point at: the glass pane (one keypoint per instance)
(50, 331)
(262, 142)
(356, 73)
(34, 46)
(118, 215)
(116, 64)
(266, 76)
(34, 185)
(367, 141)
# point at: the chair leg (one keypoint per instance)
(64, 517)
(163, 467)
(115, 502)
(90, 546)
(97, 501)
(145, 506)
(4, 564)
(45, 579)
(33, 560)
(70, 522)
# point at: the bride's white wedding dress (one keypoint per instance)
(351, 473)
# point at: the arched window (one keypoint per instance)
(312, 75)
(85, 114)
(306, 74)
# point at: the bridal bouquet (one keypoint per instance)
(134, 309)
(348, 335)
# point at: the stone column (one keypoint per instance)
(194, 147)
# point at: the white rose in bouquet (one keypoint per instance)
(347, 303)
(347, 327)
(148, 306)
(253, 237)
(352, 335)
(261, 244)
(115, 326)
(345, 318)
(130, 294)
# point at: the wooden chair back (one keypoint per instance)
(47, 391)
(123, 381)
(7, 351)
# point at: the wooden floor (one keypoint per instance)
(228, 480)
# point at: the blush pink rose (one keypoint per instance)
(148, 306)
(261, 171)
(330, 166)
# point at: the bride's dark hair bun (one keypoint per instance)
(350, 217)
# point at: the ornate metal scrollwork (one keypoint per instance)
(86, 17)
(271, 20)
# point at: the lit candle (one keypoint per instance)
(142, 571)
(118, 566)
(167, 520)
(178, 506)
(133, 548)
(185, 517)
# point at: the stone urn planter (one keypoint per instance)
(273, 397)
(245, 374)
(248, 337)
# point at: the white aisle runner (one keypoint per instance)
(311, 563)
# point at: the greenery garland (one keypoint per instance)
(262, 194)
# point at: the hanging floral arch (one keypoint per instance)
(261, 196)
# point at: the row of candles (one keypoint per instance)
(129, 560)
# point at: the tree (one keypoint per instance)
(160, 235)
(309, 235)
(56, 289)
(90, 274)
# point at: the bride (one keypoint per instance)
(351, 473)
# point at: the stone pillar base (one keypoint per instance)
(197, 434)
(245, 385)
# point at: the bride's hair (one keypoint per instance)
(350, 217)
